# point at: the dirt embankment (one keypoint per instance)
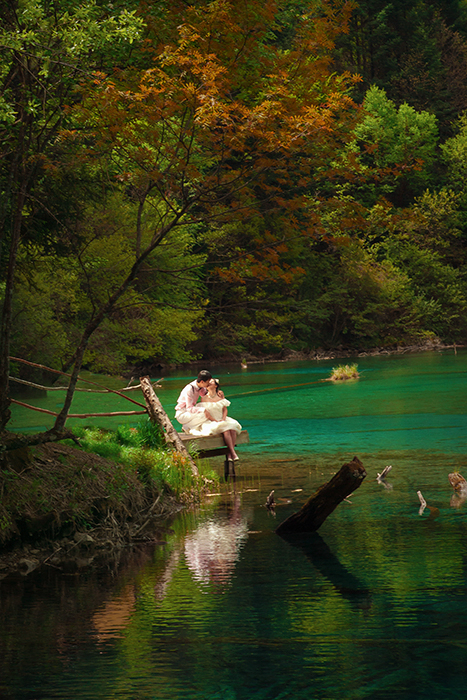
(62, 507)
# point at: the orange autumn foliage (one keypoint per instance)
(224, 123)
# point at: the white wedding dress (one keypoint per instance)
(202, 427)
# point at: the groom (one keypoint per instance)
(186, 404)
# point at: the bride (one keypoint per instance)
(217, 421)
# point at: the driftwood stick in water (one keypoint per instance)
(314, 512)
(159, 416)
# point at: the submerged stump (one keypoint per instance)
(314, 512)
(458, 482)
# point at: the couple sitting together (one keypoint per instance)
(209, 417)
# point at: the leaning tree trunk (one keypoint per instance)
(314, 512)
(159, 416)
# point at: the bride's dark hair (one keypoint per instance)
(216, 382)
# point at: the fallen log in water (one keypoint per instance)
(314, 512)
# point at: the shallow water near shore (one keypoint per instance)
(373, 606)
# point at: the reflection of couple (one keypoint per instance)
(209, 417)
(213, 548)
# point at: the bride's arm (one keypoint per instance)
(209, 415)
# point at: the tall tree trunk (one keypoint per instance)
(5, 325)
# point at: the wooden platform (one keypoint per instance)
(213, 446)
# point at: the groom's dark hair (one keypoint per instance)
(204, 376)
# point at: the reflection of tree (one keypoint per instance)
(165, 577)
(114, 615)
(318, 553)
(115, 612)
(211, 551)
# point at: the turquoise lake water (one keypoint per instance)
(373, 606)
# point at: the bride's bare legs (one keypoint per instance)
(229, 439)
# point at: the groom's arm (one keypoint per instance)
(187, 399)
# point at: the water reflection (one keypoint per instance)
(212, 550)
(457, 500)
(340, 614)
(344, 581)
(114, 615)
(165, 576)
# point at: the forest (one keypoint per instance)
(218, 179)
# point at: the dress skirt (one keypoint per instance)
(202, 427)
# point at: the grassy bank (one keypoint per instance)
(58, 489)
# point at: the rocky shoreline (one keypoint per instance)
(288, 355)
(348, 354)
(99, 548)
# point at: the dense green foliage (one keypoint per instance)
(207, 180)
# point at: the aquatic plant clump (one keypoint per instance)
(343, 372)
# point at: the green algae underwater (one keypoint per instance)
(373, 606)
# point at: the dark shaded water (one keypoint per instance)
(374, 606)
